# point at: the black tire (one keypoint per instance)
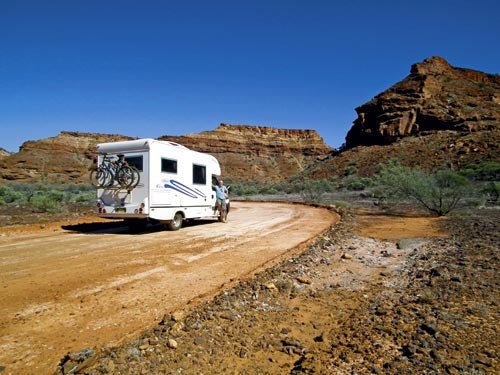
(176, 222)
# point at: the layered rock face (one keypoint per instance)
(65, 157)
(245, 152)
(4, 153)
(434, 97)
(258, 152)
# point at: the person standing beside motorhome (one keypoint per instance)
(221, 194)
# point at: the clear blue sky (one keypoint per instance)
(151, 68)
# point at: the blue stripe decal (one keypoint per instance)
(186, 190)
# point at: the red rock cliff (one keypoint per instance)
(245, 152)
(434, 97)
(258, 152)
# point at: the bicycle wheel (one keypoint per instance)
(99, 177)
(128, 177)
(136, 177)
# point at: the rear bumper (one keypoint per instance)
(123, 216)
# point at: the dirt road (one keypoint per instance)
(66, 289)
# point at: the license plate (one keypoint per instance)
(120, 209)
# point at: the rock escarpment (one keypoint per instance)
(4, 153)
(245, 152)
(258, 152)
(63, 158)
(434, 97)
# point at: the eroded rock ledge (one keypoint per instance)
(244, 151)
(435, 96)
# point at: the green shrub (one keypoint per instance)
(9, 194)
(250, 190)
(350, 170)
(46, 197)
(356, 183)
(296, 187)
(313, 190)
(44, 202)
(483, 171)
(439, 193)
(87, 197)
(491, 191)
(271, 191)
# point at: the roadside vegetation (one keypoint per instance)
(438, 192)
(46, 197)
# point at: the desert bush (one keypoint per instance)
(350, 170)
(483, 171)
(244, 188)
(48, 201)
(313, 190)
(296, 187)
(11, 195)
(270, 191)
(84, 197)
(356, 183)
(283, 187)
(491, 191)
(46, 197)
(439, 192)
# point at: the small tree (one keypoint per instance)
(439, 192)
(313, 190)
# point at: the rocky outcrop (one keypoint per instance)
(65, 157)
(441, 149)
(258, 152)
(4, 153)
(245, 153)
(434, 97)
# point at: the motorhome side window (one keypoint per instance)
(199, 174)
(168, 165)
(134, 161)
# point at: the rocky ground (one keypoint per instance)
(349, 304)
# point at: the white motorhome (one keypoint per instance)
(175, 183)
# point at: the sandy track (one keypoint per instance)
(63, 290)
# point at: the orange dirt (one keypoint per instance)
(64, 289)
(394, 228)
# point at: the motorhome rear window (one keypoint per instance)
(199, 174)
(168, 165)
(135, 161)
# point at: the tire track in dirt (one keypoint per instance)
(63, 290)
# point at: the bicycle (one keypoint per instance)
(114, 173)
